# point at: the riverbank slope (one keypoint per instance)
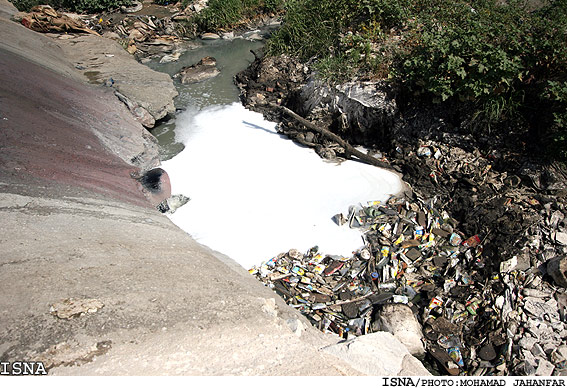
(78, 232)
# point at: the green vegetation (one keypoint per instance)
(346, 30)
(72, 5)
(508, 58)
(557, 98)
(222, 14)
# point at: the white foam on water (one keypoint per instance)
(255, 194)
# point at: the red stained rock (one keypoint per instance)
(52, 128)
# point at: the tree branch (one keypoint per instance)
(349, 150)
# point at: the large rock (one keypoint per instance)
(204, 69)
(557, 268)
(7, 9)
(66, 126)
(400, 320)
(364, 107)
(378, 354)
(102, 59)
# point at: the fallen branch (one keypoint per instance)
(349, 150)
(351, 300)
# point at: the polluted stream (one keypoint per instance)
(333, 241)
(254, 193)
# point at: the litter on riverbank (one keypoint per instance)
(416, 263)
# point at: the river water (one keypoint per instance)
(254, 193)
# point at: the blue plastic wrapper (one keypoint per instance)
(456, 355)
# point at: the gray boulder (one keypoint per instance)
(149, 92)
(204, 69)
(400, 320)
(363, 106)
(378, 354)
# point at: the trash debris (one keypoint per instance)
(171, 204)
(487, 353)
(210, 36)
(135, 7)
(72, 308)
(145, 36)
(505, 241)
(43, 18)
(414, 256)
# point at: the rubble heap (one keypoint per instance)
(146, 36)
(43, 18)
(475, 321)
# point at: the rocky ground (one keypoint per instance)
(490, 189)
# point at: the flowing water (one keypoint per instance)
(232, 57)
(254, 193)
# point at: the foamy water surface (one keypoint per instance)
(255, 194)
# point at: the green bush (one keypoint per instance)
(507, 58)
(91, 6)
(26, 5)
(273, 6)
(222, 14)
(558, 93)
(340, 33)
(493, 54)
(557, 97)
(387, 13)
(311, 28)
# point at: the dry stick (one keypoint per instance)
(351, 300)
(278, 277)
(349, 150)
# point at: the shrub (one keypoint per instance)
(494, 54)
(557, 97)
(229, 13)
(311, 28)
(273, 5)
(470, 53)
(508, 58)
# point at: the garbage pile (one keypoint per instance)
(43, 18)
(145, 36)
(475, 321)
(475, 304)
